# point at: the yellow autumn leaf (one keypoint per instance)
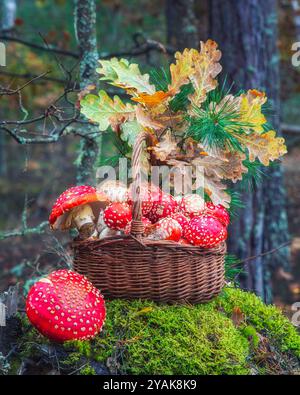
(145, 119)
(182, 69)
(265, 147)
(151, 100)
(250, 110)
(206, 68)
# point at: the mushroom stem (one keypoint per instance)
(83, 218)
(107, 232)
(100, 223)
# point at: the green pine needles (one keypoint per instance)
(215, 123)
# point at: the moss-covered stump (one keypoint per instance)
(234, 334)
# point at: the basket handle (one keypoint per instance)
(137, 226)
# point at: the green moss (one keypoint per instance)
(264, 318)
(87, 371)
(251, 334)
(142, 337)
(174, 339)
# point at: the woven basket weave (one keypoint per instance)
(132, 266)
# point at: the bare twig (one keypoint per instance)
(10, 92)
(30, 44)
(138, 50)
(25, 231)
(250, 258)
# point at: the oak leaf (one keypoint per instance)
(216, 190)
(167, 146)
(206, 178)
(182, 69)
(105, 111)
(144, 118)
(121, 73)
(152, 100)
(250, 109)
(206, 68)
(130, 130)
(229, 167)
(265, 147)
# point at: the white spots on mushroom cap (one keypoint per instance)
(71, 298)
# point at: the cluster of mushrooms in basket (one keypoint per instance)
(107, 211)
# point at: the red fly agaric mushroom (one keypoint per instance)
(183, 241)
(117, 215)
(115, 191)
(219, 212)
(162, 207)
(181, 219)
(66, 306)
(146, 196)
(166, 229)
(76, 208)
(205, 231)
(192, 205)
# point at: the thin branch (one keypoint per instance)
(43, 79)
(40, 47)
(290, 129)
(52, 138)
(10, 92)
(140, 49)
(250, 258)
(25, 231)
(35, 77)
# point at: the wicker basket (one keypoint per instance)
(133, 267)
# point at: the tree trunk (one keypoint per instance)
(8, 10)
(182, 26)
(295, 5)
(247, 33)
(85, 29)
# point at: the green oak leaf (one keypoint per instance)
(106, 111)
(121, 73)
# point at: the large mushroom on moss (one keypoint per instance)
(77, 208)
(65, 306)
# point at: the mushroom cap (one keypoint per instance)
(115, 191)
(65, 306)
(117, 215)
(71, 198)
(192, 205)
(166, 229)
(181, 219)
(205, 231)
(147, 196)
(218, 211)
(164, 206)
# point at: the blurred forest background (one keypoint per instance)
(51, 52)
